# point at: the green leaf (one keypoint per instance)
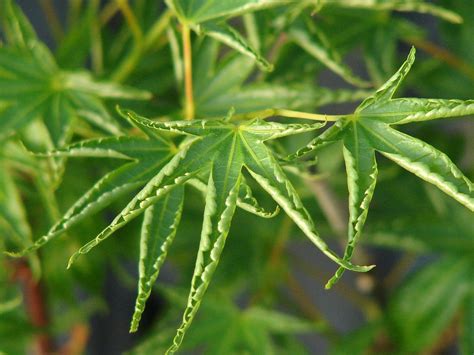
(158, 231)
(424, 161)
(318, 47)
(216, 150)
(223, 86)
(14, 225)
(361, 170)
(423, 307)
(369, 129)
(400, 5)
(16, 27)
(195, 12)
(245, 201)
(33, 86)
(226, 34)
(146, 156)
(253, 330)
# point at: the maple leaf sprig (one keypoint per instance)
(216, 152)
(370, 130)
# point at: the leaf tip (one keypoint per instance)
(13, 254)
(72, 260)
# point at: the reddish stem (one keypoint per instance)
(35, 304)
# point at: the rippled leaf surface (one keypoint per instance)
(370, 130)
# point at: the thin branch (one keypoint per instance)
(97, 55)
(130, 61)
(287, 113)
(52, 19)
(443, 55)
(142, 43)
(77, 341)
(188, 73)
(74, 11)
(109, 11)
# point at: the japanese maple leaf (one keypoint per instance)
(216, 151)
(370, 129)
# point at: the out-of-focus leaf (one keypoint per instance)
(359, 342)
(75, 46)
(249, 330)
(195, 12)
(16, 28)
(426, 303)
(318, 47)
(14, 225)
(399, 5)
(467, 330)
(222, 87)
(231, 37)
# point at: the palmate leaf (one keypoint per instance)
(369, 130)
(32, 86)
(216, 151)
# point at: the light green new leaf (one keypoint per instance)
(217, 151)
(369, 129)
(158, 231)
